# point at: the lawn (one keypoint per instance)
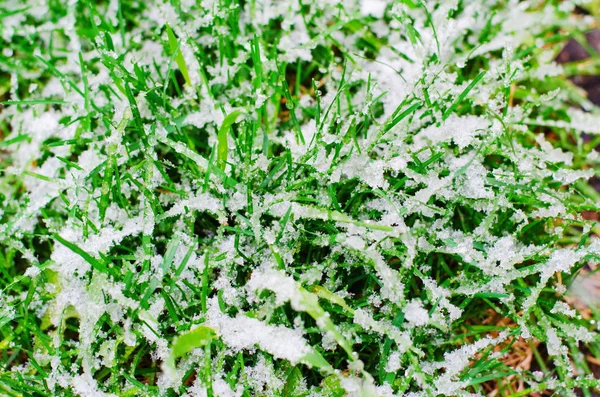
(298, 198)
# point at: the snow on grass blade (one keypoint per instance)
(287, 289)
(463, 95)
(242, 332)
(324, 293)
(96, 264)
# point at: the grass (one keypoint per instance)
(296, 199)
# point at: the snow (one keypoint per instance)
(358, 205)
(393, 363)
(201, 202)
(561, 260)
(461, 130)
(86, 386)
(286, 289)
(415, 314)
(553, 343)
(245, 333)
(375, 8)
(551, 154)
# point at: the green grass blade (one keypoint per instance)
(96, 264)
(222, 145)
(174, 46)
(463, 95)
(187, 342)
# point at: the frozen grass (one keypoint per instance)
(294, 198)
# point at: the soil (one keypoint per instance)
(574, 51)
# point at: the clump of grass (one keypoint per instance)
(240, 198)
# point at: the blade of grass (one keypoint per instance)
(463, 95)
(175, 49)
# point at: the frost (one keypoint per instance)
(32, 271)
(462, 131)
(374, 8)
(554, 344)
(245, 333)
(393, 363)
(552, 154)
(561, 261)
(202, 202)
(455, 361)
(295, 45)
(85, 386)
(415, 314)
(285, 288)
(365, 320)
